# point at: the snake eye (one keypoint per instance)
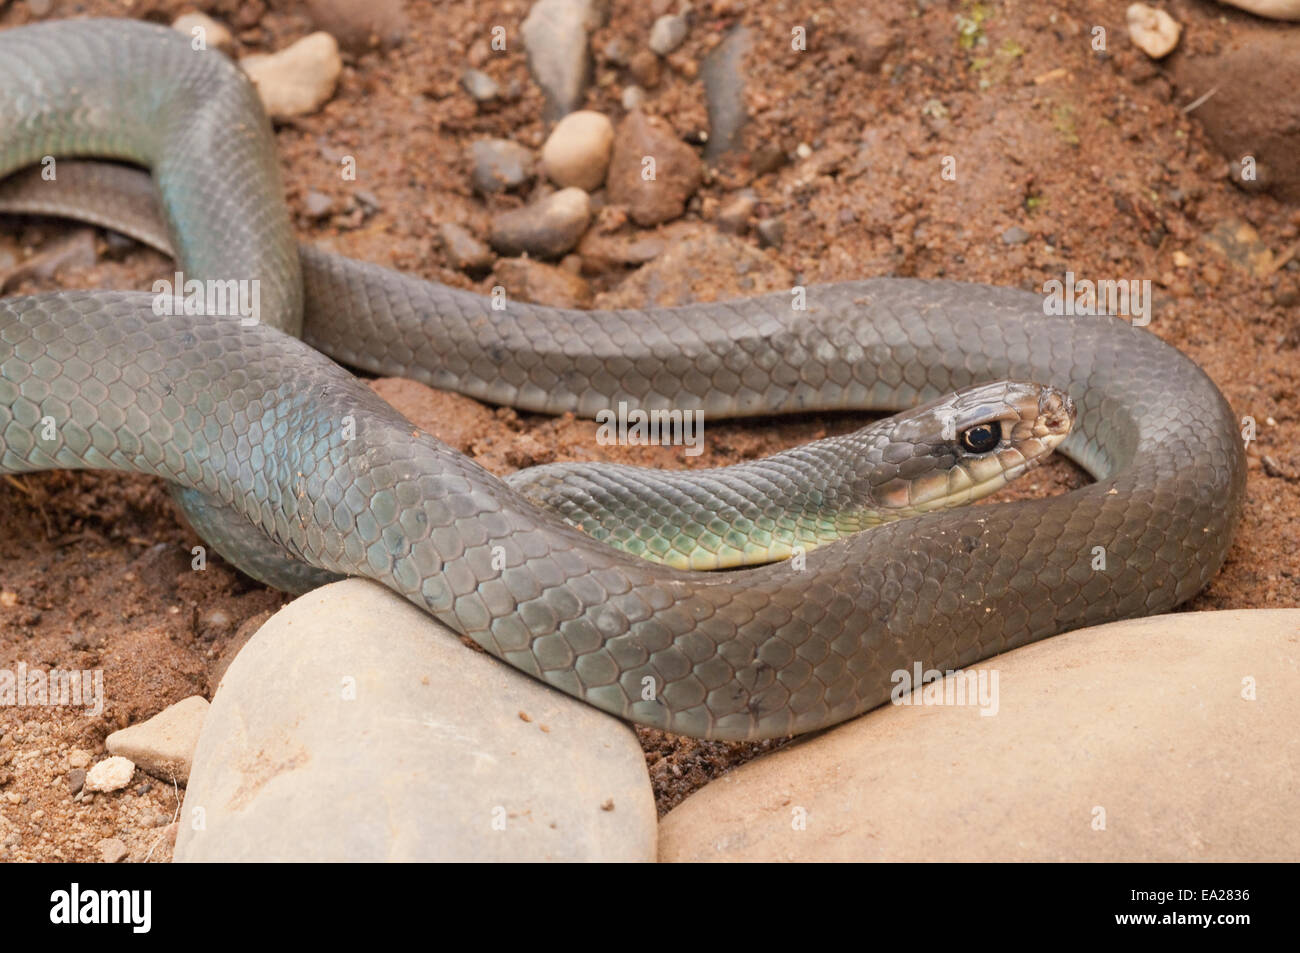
(981, 438)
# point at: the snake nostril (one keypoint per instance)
(1057, 408)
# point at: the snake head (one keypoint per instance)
(968, 444)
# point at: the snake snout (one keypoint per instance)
(1056, 414)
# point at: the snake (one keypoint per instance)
(281, 455)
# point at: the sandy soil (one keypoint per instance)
(1091, 155)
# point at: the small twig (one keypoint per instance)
(1200, 101)
(1275, 469)
(1280, 262)
(175, 814)
(18, 484)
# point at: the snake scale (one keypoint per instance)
(247, 423)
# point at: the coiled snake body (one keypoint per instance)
(248, 423)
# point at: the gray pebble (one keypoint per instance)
(614, 52)
(767, 158)
(735, 214)
(317, 204)
(771, 232)
(214, 622)
(368, 201)
(667, 34)
(1015, 235)
(633, 96)
(481, 87)
(546, 229)
(76, 780)
(465, 252)
(500, 165)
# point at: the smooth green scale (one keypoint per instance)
(624, 507)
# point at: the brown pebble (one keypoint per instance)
(645, 69)
(735, 214)
(540, 283)
(465, 252)
(767, 158)
(771, 232)
(652, 172)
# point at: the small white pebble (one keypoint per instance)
(111, 774)
(1152, 31)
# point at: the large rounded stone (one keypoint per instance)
(1164, 739)
(355, 727)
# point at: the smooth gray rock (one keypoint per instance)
(500, 165)
(555, 36)
(723, 72)
(481, 87)
(354, 727)
(546, 229)
(667, 33)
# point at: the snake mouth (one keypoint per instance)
(1056, 415)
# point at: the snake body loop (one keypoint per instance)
(248, 421)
